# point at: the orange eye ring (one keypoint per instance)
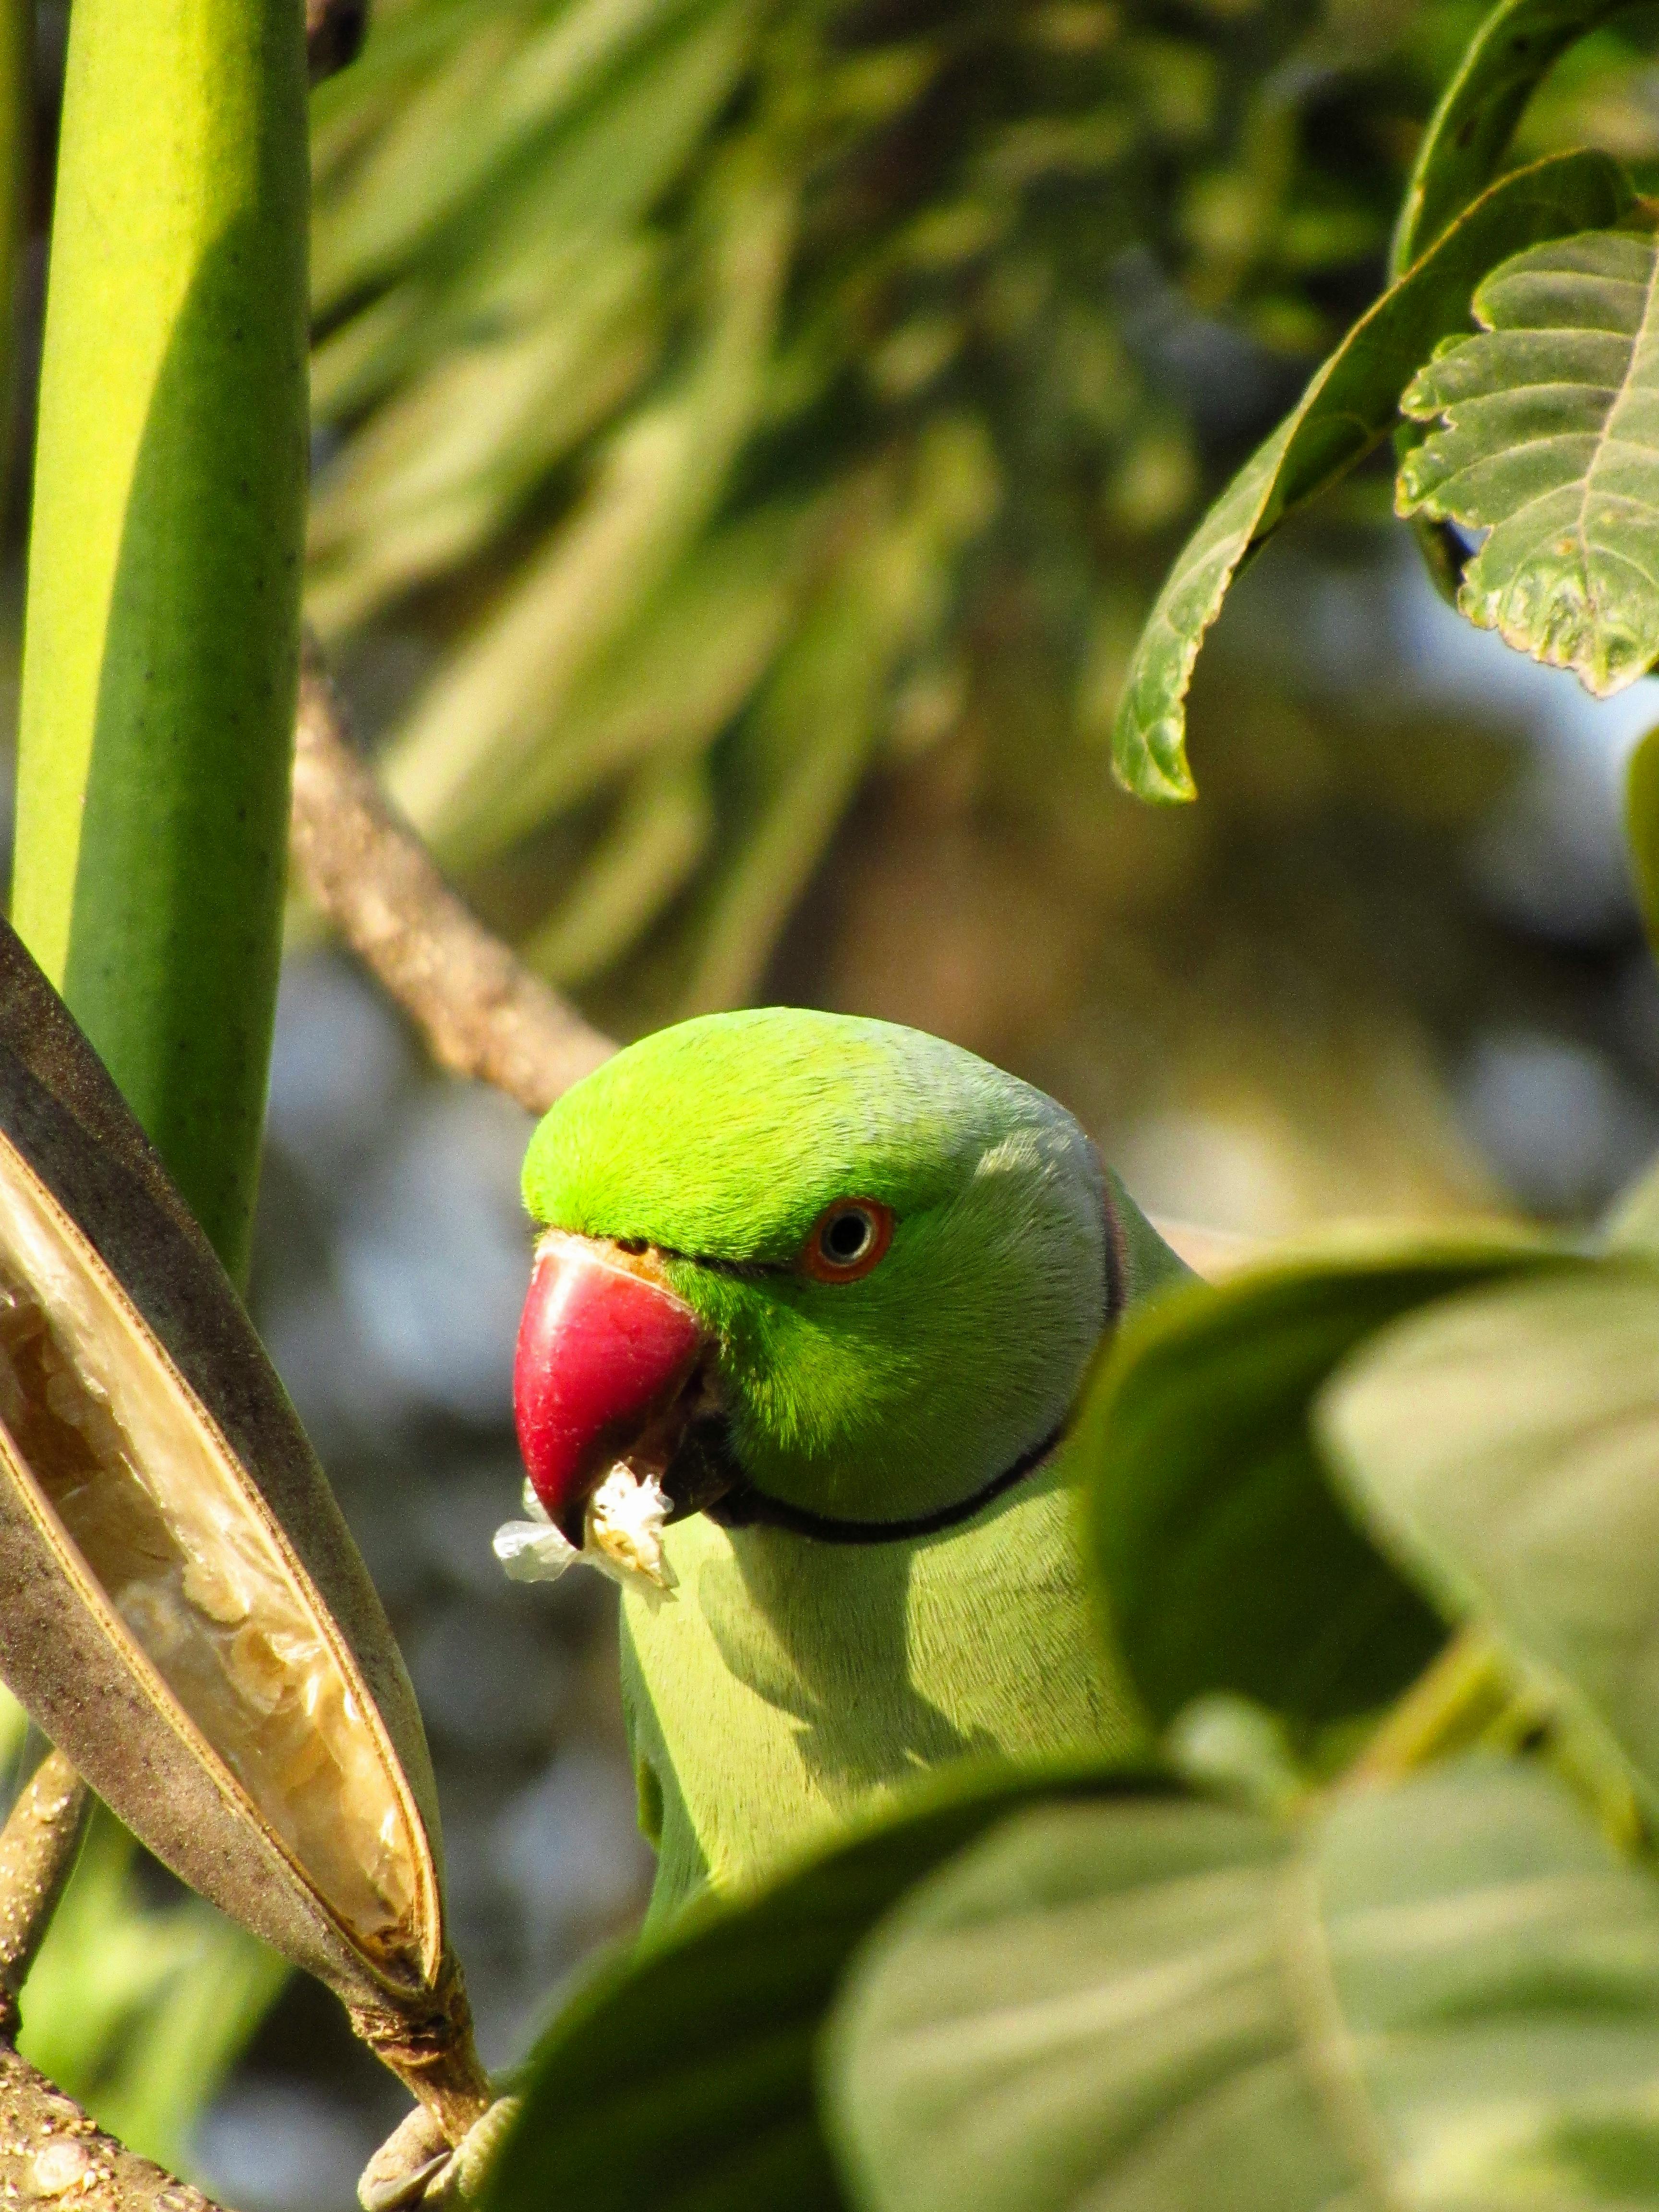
(847, 1240)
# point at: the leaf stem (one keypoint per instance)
(1448, 1708)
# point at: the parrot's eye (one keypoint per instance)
(847, 1240)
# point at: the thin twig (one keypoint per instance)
(482, 1012)
(37, 1850)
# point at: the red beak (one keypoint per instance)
(602, 1350)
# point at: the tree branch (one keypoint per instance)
(52, 2153)
(37, 1850)
(480, 1009)
(49, 2150)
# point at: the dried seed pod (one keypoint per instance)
(182, 1608)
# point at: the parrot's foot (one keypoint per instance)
(417, 2164)
(622, 1536)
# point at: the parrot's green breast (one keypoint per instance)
(788, 1684)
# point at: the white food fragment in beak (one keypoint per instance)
(622, 1537)
(625, 1518)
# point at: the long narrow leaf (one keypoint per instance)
(655, 491)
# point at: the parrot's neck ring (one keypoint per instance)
(743, 1506)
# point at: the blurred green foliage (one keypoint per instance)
(729, 393)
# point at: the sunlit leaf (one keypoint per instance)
(1351, 405)
(1227, 1563)
(1506, 1444)
(1550, 444)
(1443, 1998)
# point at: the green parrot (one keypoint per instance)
(812, 1304)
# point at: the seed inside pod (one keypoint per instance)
(147, 1491)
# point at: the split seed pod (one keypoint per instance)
(182, 1608)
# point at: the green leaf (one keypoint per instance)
(663, 826)
(1227, 1563)
(1350, 404)
(1504, 1444)
(1551, 445)
(819, 717)
(1516, 45)
(681, 2078)
(507, 87)
(1443, 1998)
(670, 684)
(651, 495)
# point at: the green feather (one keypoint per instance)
(790, 1679)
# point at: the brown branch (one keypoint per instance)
(481, 1010)
(50, 2152)
(37, 1850)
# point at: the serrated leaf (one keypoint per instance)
(681, 2080)
(1226, 1562)
(1551, 444)
(1349, 407)
(1443, 1998)
(1504, 1444)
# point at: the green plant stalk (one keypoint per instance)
(16, 97)
(161, 636)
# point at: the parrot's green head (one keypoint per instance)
(811, 1269)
